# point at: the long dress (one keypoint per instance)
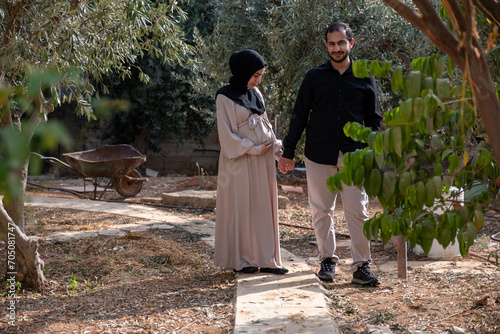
(246, 229)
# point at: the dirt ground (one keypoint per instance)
(164, 281)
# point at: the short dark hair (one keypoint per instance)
(339, 26)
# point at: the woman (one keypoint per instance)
(246, 230)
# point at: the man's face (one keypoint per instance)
(338, 46)
(255, 79)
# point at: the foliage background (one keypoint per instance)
(290, 37)
(166, 106)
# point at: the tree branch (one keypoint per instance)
(490, 8)
(456, 15)
(432, 26)
(11, 24)
(75, 4)
(42, 107)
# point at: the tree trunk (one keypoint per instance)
(15, 208)
(23, 261)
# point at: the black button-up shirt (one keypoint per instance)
(326, 101)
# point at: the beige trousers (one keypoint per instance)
(322, 203)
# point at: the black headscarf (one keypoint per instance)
(243, 65)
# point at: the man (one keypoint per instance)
(329, 97)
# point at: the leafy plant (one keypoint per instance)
(73, 283)
(47, 271)
(494, 255)
(422, 163)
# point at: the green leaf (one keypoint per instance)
(413, 84)
(438, 169)
(436, 142)
(388, 140)
(359, 175)
(470, 233)
(397, 79)
(330, 182)
(379, 143)
(438, 184)
(375, 181)
(388, 185)
(420, 194)
(368, 159)
(478, 218)
(454, 161)
(371, 139)
(445, 236)
(418, 108)
(430, 193)
(407, 109)
(443, 88)
(426, 244)
(404, 182)
(397, 140)
(449, 66)
(427, 85)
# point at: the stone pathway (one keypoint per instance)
(266, 303)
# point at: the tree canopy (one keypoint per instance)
(81, 42)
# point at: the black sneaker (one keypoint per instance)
(327, 271)
(365, 276)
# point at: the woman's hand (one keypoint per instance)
(266, 146)
(285, 165)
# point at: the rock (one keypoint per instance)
(154, 200)
(373, 329)
(202, 199)
(191, 198)
(457, 330)
(282, 202)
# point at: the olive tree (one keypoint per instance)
(89, 38)
(165, 106)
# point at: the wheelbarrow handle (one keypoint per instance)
(58, 163)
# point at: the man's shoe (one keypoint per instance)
(365, 276)
(327, 271)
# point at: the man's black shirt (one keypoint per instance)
(326, 101)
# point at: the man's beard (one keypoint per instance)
(346, 54)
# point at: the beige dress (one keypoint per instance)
(246, 230)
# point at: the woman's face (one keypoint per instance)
(255, 79)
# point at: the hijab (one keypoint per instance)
(243, 65)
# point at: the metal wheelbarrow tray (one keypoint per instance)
(106, 161)
(116, 162)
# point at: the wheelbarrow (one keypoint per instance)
(117, 163)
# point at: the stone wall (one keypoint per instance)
(173, 158)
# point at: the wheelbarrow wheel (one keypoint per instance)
(126, 185)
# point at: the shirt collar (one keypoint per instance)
(329, 66)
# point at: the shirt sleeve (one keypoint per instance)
(372, 117)
(232, 145)
(299, 119)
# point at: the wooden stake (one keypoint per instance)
(402, 263)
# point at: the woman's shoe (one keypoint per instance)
(277, 271)
(248, 270)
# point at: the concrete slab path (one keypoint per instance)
(265, 303)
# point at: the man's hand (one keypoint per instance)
(285, 165)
